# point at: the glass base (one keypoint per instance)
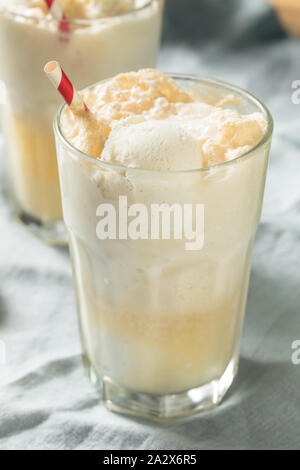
(162, 407)
(53, 232)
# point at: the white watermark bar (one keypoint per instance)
(2, 353)
(295, 358)
(2, 92)
(152, 222)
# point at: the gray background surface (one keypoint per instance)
(46, 401)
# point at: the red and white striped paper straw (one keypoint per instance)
(61, 82)
(56, 10)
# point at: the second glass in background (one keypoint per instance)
(93, 50)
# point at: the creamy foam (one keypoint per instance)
(73, 9)
(125, 104)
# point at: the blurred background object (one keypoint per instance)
(230, 21)
(288, 12)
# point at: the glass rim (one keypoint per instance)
(78, 21)
(188, 77)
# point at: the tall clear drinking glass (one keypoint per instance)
(91, 50)
(161, 324)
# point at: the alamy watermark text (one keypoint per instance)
(154, 222)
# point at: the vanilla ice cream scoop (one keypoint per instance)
(152, 145)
